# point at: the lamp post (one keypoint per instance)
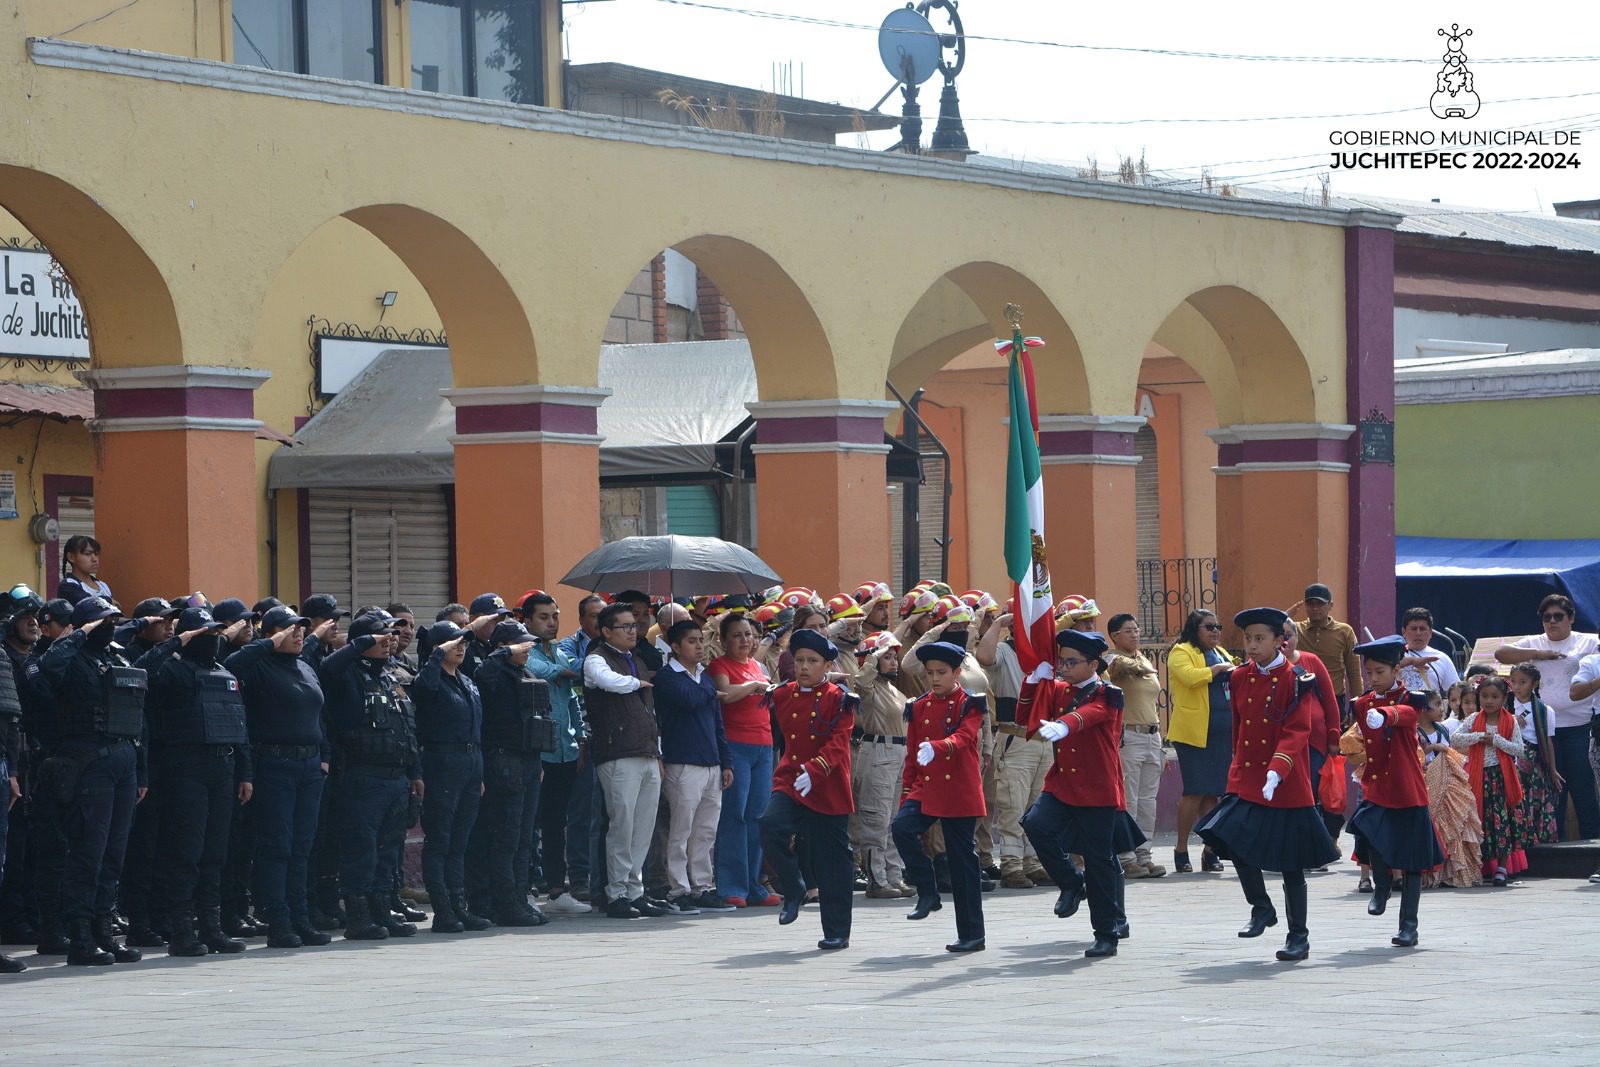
(949, 135)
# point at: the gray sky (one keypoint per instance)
(1058, 104)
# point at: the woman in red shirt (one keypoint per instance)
(742, 685)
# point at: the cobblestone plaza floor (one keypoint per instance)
(1504, 974)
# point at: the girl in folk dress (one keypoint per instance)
(1450, 799)
(1492, 742)
(1541, 782)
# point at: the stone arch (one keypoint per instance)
(132, 320)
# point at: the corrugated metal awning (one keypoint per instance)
(67, 402)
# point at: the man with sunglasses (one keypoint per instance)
(1559, 652)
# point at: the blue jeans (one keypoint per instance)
(1572, 761)
(452, 784)
(579, 815)
(287, 799)
(739, 826)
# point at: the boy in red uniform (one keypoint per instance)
(1269, 821)
(1392, 827)
(1081, 808)
(811, 788)
(943, 782)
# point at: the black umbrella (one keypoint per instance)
(672, 566)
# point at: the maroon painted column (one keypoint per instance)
(1369, 397)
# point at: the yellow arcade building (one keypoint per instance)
(210, 179)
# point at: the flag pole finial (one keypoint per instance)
(1014, 315)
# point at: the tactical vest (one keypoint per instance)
(10, 701)
(385, 736)
(533, 715)
(521, 723)
(116, 708)
(221, 709)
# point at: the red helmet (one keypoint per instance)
(877, 643)
(950, 609)
(979, 601)
(917, 602)
(843, 607)
(766, 617)
(798, 595)
(873, 593)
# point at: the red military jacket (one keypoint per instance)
(1272, 714)
(816, 725)
(952, 785)
(1392, 775)
(1087, 771)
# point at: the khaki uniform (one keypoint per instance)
(1143, 756)
(875, 769)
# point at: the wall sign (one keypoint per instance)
(1377, 438)
(39, 312)
(8, 494)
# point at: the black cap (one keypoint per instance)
(811, 639)
(154, 606)
(509, 632)
(1390, 650)
(57, 611)
(1318, 591)
(264, 605)
(92, 608)
(320, 606)
(1271, 618)
(198, 619)
(445, 630)
(282, 615)
(487, 604)
(1090, 644)
(372, 623)
(232, 610)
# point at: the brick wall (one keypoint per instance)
(643, 316)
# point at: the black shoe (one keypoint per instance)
(378, 907)
(709, 901)
(1259, 921)
(1181, 864)
(790, 911)
(518, 914)
(650, 909)
(310, 935)
(684, 905)
(472, 919)
(238, 926)
(974, 944)
(106, 938)
(1294, 949)
(991, 872)
(182, 939)
(1121, 931)
(622, 909)
(53, 943)
(216, 941)
(144, 937)
(401, 907)
(1102, 947)
(360, 924)
(11, 966)
(1068, 902)
(1210, 862)
(283, 936)
(861, 884)
(987, 885)
(445, 919)
(833, 944)
(925, 907)
(84, 952)
(1379, 902)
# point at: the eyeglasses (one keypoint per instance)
(1553, 616)
(623, 626)
(1073, 662)
(1214, 627)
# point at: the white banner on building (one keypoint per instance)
(39, 312)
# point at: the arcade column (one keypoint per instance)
(1086, 465)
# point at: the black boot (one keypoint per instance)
(8, 965)
(309, 934)
(84, 951)
(378, 908)
(474, 921)
(925, 906)
(143, 935)
(445, 920)
(20, 932)
(1381, 882)
(359, 923)
(52, 941)
(281, 935)
(326, 914)
(1410, 903)
(405, 910)
(1298, 944)
(242, 925)
(106, 938)
(183, 940)
(1262, 913)
(211, 932)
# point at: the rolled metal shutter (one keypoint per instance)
(380, 545)
(1146, 496)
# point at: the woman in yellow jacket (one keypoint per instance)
(1201, 727)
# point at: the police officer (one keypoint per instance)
(19, 604)
(323, 614)
(150, 626)
(47, 847)
(201, 766)
(450, 733)
(97, 772)
(236, 871)
(487, 611)
(378, 768)
(516, 731)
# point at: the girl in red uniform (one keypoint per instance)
(1392, 828)
(943, 782)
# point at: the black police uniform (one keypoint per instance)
(139, 863)
(199, 758)
(47, 843)
(12, 847)
(96, 772)
(450, 732)
(370, 717)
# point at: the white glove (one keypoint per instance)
(1272, 785)
(1054, 730)
(925, 753)
(802, 783)
(1376, 719)
(1043, 672)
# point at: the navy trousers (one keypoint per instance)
(966, 880)
(95, 822)
(1057, 829)
(502, 841)
(371, 812)
(449, 810)
(829, 839)
(198, 796)
(288, 801)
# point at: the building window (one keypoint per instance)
(330, 38)
(485, 48)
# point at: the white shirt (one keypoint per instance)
(1524, 712)
(1588, 671)
(681, 669)
(1556, 675)
(597, 674)
(1437, 676)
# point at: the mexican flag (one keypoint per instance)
(1033, 628)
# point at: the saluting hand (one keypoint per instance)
(481, 626)
(452, 644)
(239, 626)
(183, 638)
(521, 646)
(284, 636)
(324, 628)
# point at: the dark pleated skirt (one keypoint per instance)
(1403, 838)
(1273, 839)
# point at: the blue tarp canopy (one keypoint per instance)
(1491, 588)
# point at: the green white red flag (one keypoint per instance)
(1033, 618)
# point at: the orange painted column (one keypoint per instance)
(1087, 464)
(175, 480)
(1282, 513)
(821, 487)
(527, 489)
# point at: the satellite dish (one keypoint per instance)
(908, 46)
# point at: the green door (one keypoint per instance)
(693, 510)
